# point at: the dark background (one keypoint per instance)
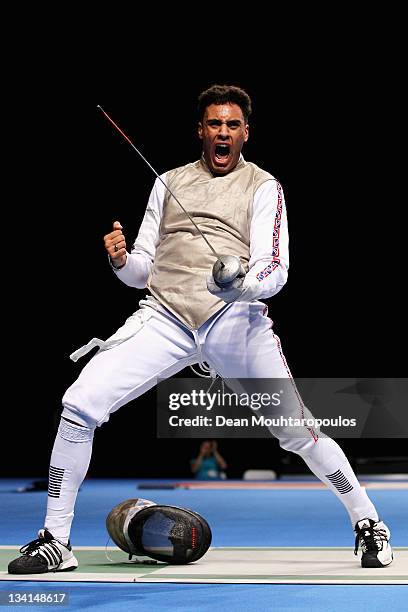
(324, 132)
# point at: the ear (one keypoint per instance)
(200, 130)
(246, 132)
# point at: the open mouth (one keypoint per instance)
(222, 152)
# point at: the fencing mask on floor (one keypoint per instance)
(165, 533)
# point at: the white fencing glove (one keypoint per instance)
(242, 289)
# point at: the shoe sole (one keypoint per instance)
(375, 563)
(39, 571)
(44, 571)
(66, 569)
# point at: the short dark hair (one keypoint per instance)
(224, 94)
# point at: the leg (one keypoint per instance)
(158, 349)
(116, 376)
(69, 464)
(111, 379)
(241, 344)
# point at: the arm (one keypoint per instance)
(196, 464)
(269, 249)
(222, 464)
(138, 265)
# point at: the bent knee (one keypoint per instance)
(84, 406)
(300, 446)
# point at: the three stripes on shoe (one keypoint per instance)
(51, 553)
(339, 481)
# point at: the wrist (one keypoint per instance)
(118, 264)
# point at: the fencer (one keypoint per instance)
(187, 318)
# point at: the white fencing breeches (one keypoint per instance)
(238, 343)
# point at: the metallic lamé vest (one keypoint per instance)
(222, 208)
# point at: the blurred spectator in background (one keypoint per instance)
(209, 464)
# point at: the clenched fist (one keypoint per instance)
(115, 245)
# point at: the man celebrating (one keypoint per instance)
(189, 319)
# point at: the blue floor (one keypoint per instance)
(237, 518)
(222, 598)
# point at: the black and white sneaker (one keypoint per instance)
(373, 537)
(46, 554)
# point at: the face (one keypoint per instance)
(223, 132)
(206, 448)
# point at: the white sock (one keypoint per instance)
(69, 464)
(326, 459)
